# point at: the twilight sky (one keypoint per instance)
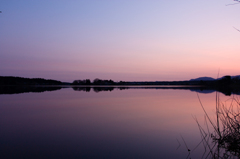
(134, 40)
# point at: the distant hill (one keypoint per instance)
(212, 79)
(203, 79)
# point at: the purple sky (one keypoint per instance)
(119, 39)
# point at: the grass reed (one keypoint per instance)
(221, 137)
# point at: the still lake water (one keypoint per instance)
(132, 123)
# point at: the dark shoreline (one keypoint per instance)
(13, 85)
(97, 88)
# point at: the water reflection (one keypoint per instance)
(135, 123)
(111, 88)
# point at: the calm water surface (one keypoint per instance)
(133, 123)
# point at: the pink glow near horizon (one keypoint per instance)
(121, 40)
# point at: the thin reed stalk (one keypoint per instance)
(224, 140)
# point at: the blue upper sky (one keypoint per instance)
(121, 40)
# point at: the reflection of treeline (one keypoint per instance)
(111, 88)
(25, 89)
(27, 81)
(226, 84)
(97, 89)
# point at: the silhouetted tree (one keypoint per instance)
(236, 80)
(82, 82)
(226, 80)
(88, 82)
(97, 81)
(103, 82)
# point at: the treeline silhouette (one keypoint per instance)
(16, 85)
(95, 82)
(111, 82)
(225, 81)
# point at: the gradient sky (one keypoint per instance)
(132, 40)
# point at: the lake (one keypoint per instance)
(114, 123)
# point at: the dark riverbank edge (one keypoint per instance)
(38, 89)
(14, 85)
